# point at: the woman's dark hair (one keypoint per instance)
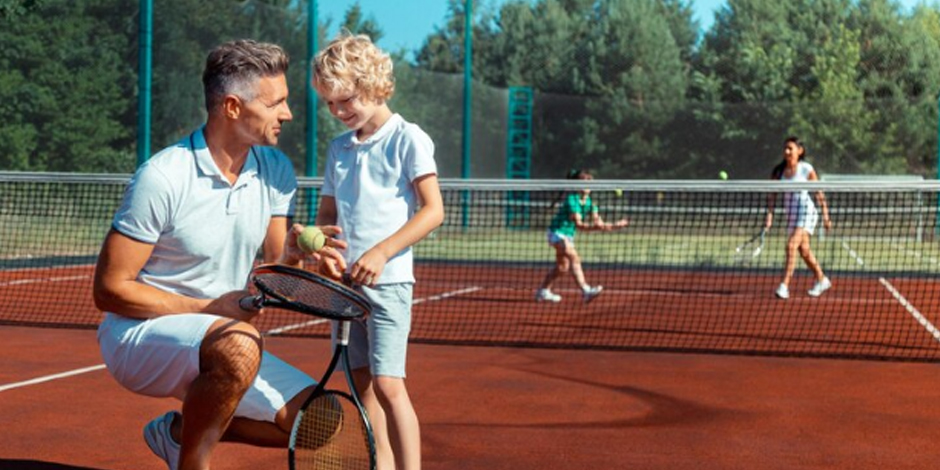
(778, 170)
(577, 174)
(573, 174)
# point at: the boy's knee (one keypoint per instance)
(389, 389)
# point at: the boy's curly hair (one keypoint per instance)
(353, 63)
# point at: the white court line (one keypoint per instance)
(445, 295)
(272, 332)
(433, 298)
(295, 326)
(20, 282)
(915, 254)
(48, 378)
(852, 253)
(911, 309)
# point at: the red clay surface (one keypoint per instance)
(660, 310)
(523, 408)
(516, 408)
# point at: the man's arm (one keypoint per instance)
(117, 290)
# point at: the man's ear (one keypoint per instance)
(232, 106)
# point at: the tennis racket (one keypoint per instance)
(331, 430)
(305, 292)
(750, 249)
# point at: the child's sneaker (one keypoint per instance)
(820, 287)
(546, 295)
(158, 437)
(782, 291)
(591, 293)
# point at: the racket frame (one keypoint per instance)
(340, 353)
(269, 297)
(743, 250)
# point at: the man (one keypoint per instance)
(174, 265)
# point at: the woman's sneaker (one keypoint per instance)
(546, 295)
(820, 287)
(782, 291)
(591, 293)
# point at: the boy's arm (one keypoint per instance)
(326, 213)
(430, 216)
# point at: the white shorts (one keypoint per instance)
(805, 219)
(160, 358)
(380, 341)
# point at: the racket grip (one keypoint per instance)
(251, 303)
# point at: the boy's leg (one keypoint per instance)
(384, 458)
(388, 329)
(403, 429)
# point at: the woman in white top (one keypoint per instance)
(802, 217)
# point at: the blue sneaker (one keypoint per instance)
(161, 443)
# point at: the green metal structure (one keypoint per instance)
(519, 154)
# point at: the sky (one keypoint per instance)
(407, 22)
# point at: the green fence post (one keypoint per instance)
(144, 58)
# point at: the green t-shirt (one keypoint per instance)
(562, 223)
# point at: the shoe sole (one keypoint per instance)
(591, 298)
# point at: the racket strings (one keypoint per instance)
(309, 295)
(331, 435)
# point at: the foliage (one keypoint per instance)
(629, 88)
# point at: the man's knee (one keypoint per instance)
(232, 348)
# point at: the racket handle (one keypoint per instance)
(251, 303)
(342, 335)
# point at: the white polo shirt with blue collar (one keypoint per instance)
(372, 184)
(206, 231)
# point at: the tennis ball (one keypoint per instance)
(618, 192)
(311, 240)
(723, 175)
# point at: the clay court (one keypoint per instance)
(498, 407)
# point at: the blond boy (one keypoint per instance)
(380, 186)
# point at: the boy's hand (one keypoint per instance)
(367, 270)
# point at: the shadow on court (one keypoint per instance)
(38, 465)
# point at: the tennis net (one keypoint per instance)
(673, 279)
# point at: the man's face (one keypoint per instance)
(262, 117)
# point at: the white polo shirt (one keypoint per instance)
(372, 184)
(206, 232)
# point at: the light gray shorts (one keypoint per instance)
(380, 341)
(160, 358)
(555, 238)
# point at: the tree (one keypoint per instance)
(65, 94)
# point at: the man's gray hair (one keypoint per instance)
(234, 68)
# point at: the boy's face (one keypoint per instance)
(350, 108)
